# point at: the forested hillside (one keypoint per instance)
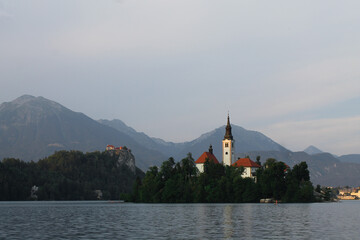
(66, 175)
(32, 128)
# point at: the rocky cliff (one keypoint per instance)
(126, 160)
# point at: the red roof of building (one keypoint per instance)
(245, 162)
(286, 167)
(205, 156)
(110, 146)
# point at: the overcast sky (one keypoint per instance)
(173, 69)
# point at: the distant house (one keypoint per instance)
(346, 197)
(110, 147)
(116, 149)
(206, 156)
(349, 194)
(356, 193)
(287, 168)
(249, 166)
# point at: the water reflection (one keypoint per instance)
(207, 220)
(84, 220)
(228, 222)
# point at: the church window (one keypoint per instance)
(226, 144)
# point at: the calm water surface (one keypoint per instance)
(103, 220)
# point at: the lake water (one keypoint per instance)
(104, 220)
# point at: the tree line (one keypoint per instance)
(182, 183)
(66, 175)
(73, 175)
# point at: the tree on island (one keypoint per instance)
(182, 183)
(73, 175)
(258, 160)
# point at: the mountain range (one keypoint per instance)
(245, 141)
(32, 128)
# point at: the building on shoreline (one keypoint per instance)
(206, 156)
(249, 166)
(228, 153)
(349, 194)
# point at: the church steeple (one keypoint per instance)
(210, 149)
(228, 134)
(228, 145)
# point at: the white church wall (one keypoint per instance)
(200, 167)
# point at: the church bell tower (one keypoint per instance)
(228, 145)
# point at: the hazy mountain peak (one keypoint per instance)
(23, 99)
(311, 150)
(34, 127)
(118, 125)
(207, 135)
(17, 102)
(33, 105)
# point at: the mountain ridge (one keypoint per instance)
(32, 128)
(351, 158)
(311, 150)
(247, 140)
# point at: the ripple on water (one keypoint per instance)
(101, 220)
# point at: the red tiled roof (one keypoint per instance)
(110, 146)
(207, 155)
(286, 167)
(245, 162)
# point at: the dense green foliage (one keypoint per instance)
(66, 175)
(73, 175)
(181, 183)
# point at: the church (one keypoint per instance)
(228, 156)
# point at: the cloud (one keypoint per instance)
(4, 14)
(306, 88)
(133, 29)
(337, 135)
(265, 62)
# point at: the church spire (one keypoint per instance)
(210, 149)
(228, 134)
